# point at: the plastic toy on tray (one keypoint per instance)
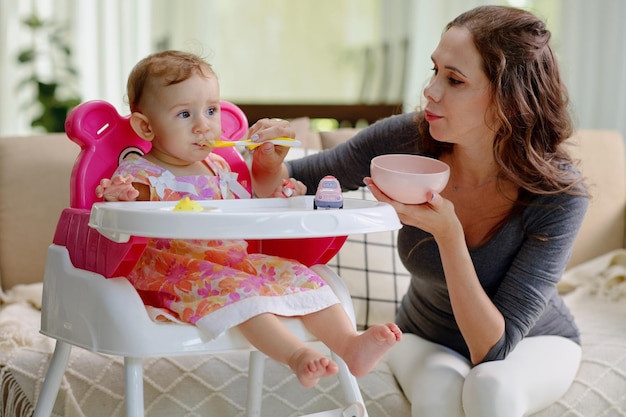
(328, 195)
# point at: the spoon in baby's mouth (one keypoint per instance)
(250, 144)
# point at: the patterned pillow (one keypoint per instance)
(370, 266)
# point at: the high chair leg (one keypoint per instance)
(52, 383)
(255, 383)
(349, 384)
(133, 374)
(352, 410)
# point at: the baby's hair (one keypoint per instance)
(169, 67)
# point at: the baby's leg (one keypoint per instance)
(268, 334)
(360, 351)
(364, 350)
(310, 365)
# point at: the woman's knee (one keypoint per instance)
(490, 391)
(533, 376)
(430, 375)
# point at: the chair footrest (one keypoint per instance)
(352, 410)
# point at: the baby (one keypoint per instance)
(175, 103)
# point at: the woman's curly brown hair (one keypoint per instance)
(531, 101)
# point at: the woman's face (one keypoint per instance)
(458, 96)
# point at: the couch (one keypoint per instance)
(34, 174)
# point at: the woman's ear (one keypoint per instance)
(141, 125)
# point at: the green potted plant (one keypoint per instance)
(54, 92)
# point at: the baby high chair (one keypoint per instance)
(88, 303)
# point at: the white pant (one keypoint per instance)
(441, 383)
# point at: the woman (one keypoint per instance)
(485, 331)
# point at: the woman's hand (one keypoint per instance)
(118, 188)
(267, 168)
(270, 156)
(436, 216)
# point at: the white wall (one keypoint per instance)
(309, 50)
(275, 50)
(593, 57)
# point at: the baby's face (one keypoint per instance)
(185, 119)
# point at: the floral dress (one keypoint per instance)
(216, 284)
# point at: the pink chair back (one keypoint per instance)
(106, 138)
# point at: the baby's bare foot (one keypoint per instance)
(309, 366)
(370, 346)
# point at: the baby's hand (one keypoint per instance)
(118, 188)
(290, 188)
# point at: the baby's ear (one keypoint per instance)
(141, 125)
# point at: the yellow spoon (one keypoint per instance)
(250, 144)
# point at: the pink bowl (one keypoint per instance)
(409, 178)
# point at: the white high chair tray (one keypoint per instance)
(259, 218)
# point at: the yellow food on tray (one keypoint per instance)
(186, 204)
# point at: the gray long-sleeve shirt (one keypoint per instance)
(517, 271)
